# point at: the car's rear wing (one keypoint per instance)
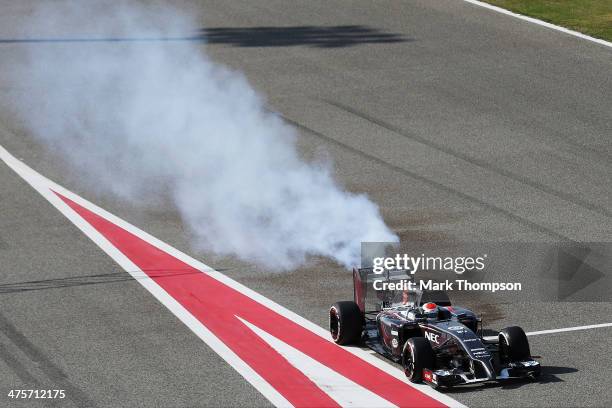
(359, 289)
(373, 297)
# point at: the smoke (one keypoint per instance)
(148, 115)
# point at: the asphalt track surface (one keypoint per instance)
(457, 121)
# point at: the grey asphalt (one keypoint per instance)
(461, 123)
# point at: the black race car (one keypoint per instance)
(439, 344)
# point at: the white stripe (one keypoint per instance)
(565, 329)
(344, 391)
(43, 186)
(540, 22)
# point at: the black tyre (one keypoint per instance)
(345, 322)
(416, 356)
(513, 345)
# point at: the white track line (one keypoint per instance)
(540, 22)
(43, 185)
(562, 330)
(344, 391)
(566, 329)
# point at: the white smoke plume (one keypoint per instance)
(153, 117)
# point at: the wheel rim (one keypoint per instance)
(408, 365)
(334, 323)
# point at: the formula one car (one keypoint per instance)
(439, 344)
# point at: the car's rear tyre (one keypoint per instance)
(416, 356)
(513, 345)
(345, 323)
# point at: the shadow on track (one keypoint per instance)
(311, 36)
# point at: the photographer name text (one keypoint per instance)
(458, 284)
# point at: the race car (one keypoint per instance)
(435, 342)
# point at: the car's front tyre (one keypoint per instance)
(513, 345)
(345, 323)
(416, 356)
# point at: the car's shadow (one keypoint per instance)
(267, 36)
(549, 375)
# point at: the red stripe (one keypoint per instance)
(215, 305)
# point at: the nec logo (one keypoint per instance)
(432, 337)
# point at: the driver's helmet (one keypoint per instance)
(430, 310)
